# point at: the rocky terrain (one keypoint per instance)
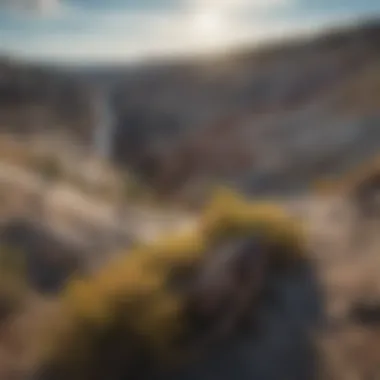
(317, 326)
(62, 217)
(39, 100)
(274, 118)
(311, 327)
(270, 119)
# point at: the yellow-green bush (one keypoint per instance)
(132, 305)
(230, 214)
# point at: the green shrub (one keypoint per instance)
(131, 305)
(229, 214)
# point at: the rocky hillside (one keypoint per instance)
(277, 116)
(37, 100)
(270, 119)
(342, 278)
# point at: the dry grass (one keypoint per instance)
(348, 182)
(13, 286)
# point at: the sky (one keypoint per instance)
(107, 31)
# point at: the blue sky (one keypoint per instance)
(88, 31)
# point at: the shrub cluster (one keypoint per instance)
(134, 311)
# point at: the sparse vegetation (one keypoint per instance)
(49, 168)
(349, 182)
(231, 214)
(132, 305)
(13, 286)
(360, 186)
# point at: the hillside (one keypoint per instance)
(40, 100)
(340, 279)
(270, 119)
(275, 117)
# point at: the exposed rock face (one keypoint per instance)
(273, 118)
(293, 112)
(38, 100)
(49, 260)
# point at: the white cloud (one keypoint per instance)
(202, 26)
(166, 37)
(236, 6)
(214, 23)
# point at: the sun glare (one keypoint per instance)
(207, 24)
